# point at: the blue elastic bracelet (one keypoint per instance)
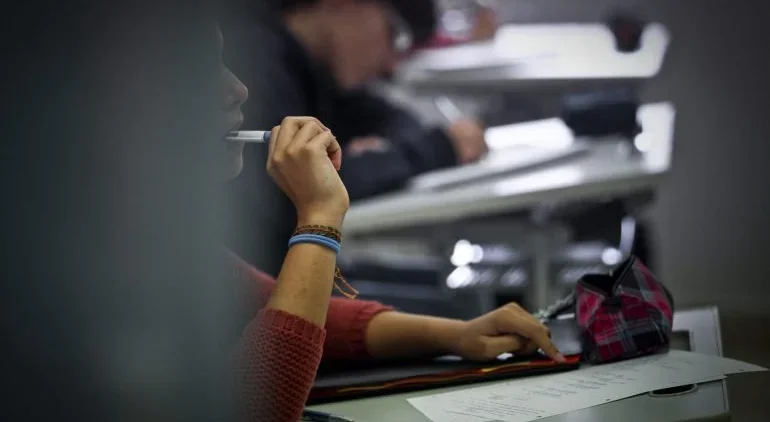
(317, 239)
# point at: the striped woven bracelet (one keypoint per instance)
(327, 231)
(331, 238)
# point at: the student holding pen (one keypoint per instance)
(298, 322)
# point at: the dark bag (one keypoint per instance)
(625, 314)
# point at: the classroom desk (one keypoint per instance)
(602, 172)
(536, 58)
(707, 402)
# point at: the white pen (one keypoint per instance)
(258, 136)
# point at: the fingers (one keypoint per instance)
(307, 132)
(288, 130)
(336, 157)
(514, 319)
(498, 345)
(290, 125)
(274, 133)
(538, 334)
(326, 142)
(529, 348)
(291, 136)
(270, 165)
(334, 151)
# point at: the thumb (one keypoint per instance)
(497, 345)
(335, 154)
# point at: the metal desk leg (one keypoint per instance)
(486, 300)
(540, 270)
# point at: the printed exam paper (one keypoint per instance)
(528, 399)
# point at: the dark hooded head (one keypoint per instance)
(359, 40)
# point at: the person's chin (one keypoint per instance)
(235, 161)
(237, 167)
(349, 82)
(355, 84)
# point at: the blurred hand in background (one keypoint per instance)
(467, 137)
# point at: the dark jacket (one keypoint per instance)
(283, 80)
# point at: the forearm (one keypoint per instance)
(398, 335)
(305, 283)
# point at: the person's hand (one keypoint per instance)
(509, 329)
(304, 159)
(467, 137)
(485, 25)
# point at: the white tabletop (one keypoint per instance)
(604, 171)
(534, 55)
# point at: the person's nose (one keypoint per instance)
(237, 92)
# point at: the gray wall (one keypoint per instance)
(712, 214)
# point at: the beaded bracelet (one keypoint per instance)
(328, 237)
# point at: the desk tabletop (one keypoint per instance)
(603, 171)
(536, 56)
(707, 401)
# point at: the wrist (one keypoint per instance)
(447, 335)
(328, 219)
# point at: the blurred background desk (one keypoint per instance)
(528, 233)
(526, 70)
(524, 236)
(537, 57)
(608, 169)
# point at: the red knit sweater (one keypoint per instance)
(280, 352)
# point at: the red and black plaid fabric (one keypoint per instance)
(625, 314)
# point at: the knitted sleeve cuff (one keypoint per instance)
(275, 319)
(277, 364)
(346, 328)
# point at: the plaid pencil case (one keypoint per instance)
(624, 314)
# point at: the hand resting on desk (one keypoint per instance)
(506, 329)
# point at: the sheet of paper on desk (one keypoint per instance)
(528, 399)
